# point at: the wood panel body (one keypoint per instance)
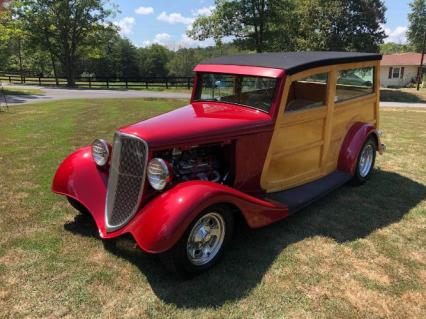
(306, 144)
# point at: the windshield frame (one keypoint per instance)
(198, 87)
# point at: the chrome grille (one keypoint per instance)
(126, 179)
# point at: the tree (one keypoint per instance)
(63, 27)
(12, 35)
(278, 25)
(182, 62)
(391, 48)
(250, 22)
(340, 25)
(153, 61)
(417, 24)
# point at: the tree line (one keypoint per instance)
(73, 38)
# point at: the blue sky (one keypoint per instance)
(163, 21)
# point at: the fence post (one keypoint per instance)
(22, 79)
(57, 81)
(107, 81)
(90, 82)
(127, 84)
(39, 80)
(167, 84)
(189, 83)
(10, 79)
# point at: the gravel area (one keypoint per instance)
(51, 94)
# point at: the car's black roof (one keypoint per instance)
(293, 62)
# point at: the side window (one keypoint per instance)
(307, 93)
(257, 92)
(354, 83)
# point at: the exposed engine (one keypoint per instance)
(198, 163)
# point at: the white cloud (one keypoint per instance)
(160, 38)
(398, 35)
(144, 10)
(205, 11)
(187, 42)
(125, 25)
(174, 18)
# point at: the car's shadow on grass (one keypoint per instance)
(345, 215)
(392, 95)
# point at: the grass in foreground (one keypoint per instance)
(20, 91)
(359, 253)
(404, 95)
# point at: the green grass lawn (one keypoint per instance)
(358, 253)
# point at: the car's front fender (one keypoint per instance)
(163, 220)
(160, 222)
(79, 177)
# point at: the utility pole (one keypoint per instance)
(420, 71)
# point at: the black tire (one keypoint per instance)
(361, 173)
(177, 259)
(78, 206)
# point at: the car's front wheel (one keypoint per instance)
(366, 160)
(203, 242)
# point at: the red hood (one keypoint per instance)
(200, 122)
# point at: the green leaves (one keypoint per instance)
(64, 28)
(416, 29)
(287, 25)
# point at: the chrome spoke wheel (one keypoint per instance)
(366, 160)
(206, 239)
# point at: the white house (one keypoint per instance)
(399, 70)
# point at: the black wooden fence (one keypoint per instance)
(103, 82)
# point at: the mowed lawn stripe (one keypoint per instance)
(357, 253)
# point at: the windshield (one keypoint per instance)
(252, 91)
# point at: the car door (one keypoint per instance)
(299, 141)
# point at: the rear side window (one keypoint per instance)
(354, 83)
(307, 93)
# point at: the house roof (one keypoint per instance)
(402, 59)
(293, 62)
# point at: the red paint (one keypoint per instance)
(200, 122)
(250, 155)
(240, 70)
(160, 223)
(352, 145)
(163, 220)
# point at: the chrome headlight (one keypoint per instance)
(158, 173)
(100, 152)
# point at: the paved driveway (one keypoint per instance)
(51, 94)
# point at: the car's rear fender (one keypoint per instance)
(352, 144)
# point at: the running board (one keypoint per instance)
(300, 197)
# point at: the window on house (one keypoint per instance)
(396, 72)
(308, 93)
(354, 83)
